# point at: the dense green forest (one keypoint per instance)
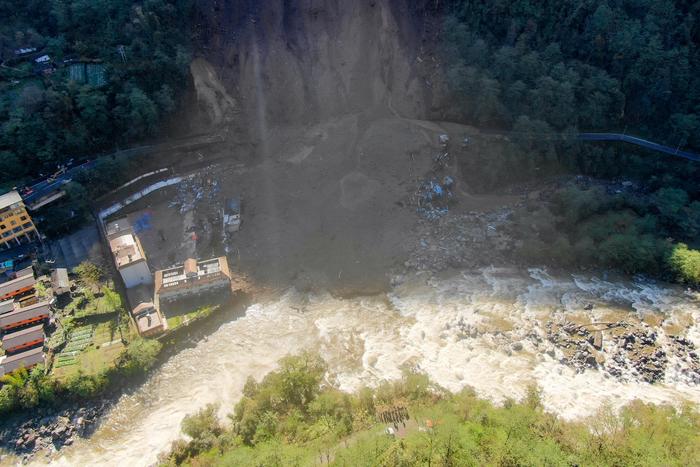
(115, 69)
(291, 418)
(589, 65)
(543, 71)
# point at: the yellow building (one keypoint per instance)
(16, 226)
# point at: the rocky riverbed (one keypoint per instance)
(49, 429)
(626, 350)
(648, 346)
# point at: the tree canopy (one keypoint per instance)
(118, 67)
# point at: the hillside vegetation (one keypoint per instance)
(137, 56)
(610, 65)
(292, 418)
(544, 71)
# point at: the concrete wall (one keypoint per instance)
(136, 274)
(177, 293)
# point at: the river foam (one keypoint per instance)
(481, 329)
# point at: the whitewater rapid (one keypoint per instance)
(420, 325)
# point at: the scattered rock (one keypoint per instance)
(597, 340)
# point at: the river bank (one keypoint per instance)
(28, 437)
(464, 323)
(469, 328)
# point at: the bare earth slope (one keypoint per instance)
(302, 61)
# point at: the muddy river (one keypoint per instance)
(426, 323)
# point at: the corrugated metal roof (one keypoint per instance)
(59, 278)
(26, 359)
(14, 339)
(14, 285)
(7, 306)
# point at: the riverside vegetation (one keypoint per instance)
(542, 72)
(25, 389)
(292, 417)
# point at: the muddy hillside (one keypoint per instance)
(303, 61)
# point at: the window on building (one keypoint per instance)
(6, 234)
(13, 222)
(17, 229)
(26, 225)
(23, 218)
(3, 226)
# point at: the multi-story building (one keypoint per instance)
(128, 253)
(16, 226)
(191, 279)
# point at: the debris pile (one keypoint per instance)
(459, 241)
(198, 187)
(638, 353)
(581, 347)
(433, 197)
(683, 359)
(434, 194)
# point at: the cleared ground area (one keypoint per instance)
(329, 206)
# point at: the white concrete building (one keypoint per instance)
(130, 260)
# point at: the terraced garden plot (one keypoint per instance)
(90, 349)
(78, 340)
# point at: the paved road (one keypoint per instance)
(604, 137)
(639, 142)
(45, 187)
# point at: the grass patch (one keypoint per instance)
(90, 349)
(175, 322)
(95, 360)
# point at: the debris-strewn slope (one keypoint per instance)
(307, 60)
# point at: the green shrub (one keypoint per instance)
(685, 263)
(448, 429)
(139, 356)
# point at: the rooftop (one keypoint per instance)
(41, 307)
(7, 306)
(26, 331)
(10, 198)
(149, 322)
(143, 308)
(192, 272)
(117, 227)
(59, 278)
(126, 250)
(24, 280)
(28, 358)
